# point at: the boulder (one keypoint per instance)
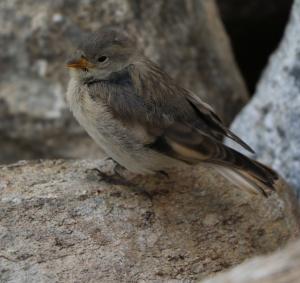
(270, 122)
(61, 223)
(186, 38)
(281, 267)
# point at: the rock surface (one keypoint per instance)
(185, 37)
(59, 223)
(270, 122)
(280, 267)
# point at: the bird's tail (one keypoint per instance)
(246, 173)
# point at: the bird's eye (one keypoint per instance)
(102, 59)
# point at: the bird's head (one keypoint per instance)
(101, 53)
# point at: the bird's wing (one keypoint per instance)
(153, 100)
(207, 114)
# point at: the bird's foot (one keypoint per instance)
(163, 174)
(114, 179)
(114, 174)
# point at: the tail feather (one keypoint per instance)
(246, 172)
(245, 180)
(232, 164)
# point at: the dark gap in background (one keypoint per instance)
(255, 28)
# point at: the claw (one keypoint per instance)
(115, 179)
(164, 174)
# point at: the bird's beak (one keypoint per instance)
(81, 63)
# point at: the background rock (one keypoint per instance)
(61, 224)
(280, 267)
(185, 37)
(270, 122)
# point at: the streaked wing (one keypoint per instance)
(206, 113)
(151, 99)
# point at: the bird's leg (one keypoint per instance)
(112, 176)
(163, 174)
(114, 179)
(109, 159)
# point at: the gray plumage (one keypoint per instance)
(142, 119)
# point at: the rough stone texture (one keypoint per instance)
(270, 122)
(185, 37)
(280, 267)
(61, 224)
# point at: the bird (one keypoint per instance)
(144, 120)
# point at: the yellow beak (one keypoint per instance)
(80, 64)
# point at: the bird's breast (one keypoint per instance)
(97, 119)
(94, 116)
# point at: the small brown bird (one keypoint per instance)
(144, 120)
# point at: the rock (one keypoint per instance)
(270, 122)
(186, 38)
(280, 267)
(60, 223)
